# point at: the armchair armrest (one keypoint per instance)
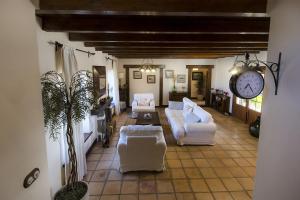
(194, 128)
(134, 103)
(152, 103)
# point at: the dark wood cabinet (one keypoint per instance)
(177, 96)
(220, 102)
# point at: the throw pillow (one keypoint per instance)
(190, 117)
(144, 102)
(175, 105)
(187, 108)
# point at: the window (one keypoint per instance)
(241, 102)
(255, 104)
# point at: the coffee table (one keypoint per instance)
(140, 120)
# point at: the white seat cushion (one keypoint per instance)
(190, 117)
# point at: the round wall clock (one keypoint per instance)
(247, 84)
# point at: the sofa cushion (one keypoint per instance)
(188, 104)
(143, 102)
(175, 105)
(202, 114)
(190, 117)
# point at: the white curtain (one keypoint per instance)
(114, 82)
(66, 64)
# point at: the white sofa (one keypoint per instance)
(141, 148)
(198, 133)
(143, 102)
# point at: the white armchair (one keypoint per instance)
(141, 148)
(143, 102)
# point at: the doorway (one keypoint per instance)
(144, 83)
(199, 83)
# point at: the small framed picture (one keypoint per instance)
(181, 78)
(169, 73)
(151, 79)
(197, 75)
(137, 75)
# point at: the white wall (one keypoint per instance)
(278, 166)
(22, 142)
(179, 65)
(141, 85)
(47, 63)
(221, 75)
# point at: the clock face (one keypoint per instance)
(249, 84)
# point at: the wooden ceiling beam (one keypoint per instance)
(179, 49)
(172, 45)
(152, 56)
(141, 22)
(161, 5)
(168, 38)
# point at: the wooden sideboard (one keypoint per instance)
(220, 102)
(177, 96)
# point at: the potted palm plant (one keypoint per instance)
(63, 105)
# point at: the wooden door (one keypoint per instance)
(246, 110)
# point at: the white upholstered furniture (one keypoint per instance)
(143, 102)
(198, 133)
(141, 148)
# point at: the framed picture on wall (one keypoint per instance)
(181, 78)
(169, 73)
(137, 75)
(151, 79)
(197, 75)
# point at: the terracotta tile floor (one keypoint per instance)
(224, 171)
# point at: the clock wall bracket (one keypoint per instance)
(256, 64)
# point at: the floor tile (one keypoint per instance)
(95, 188)
(109, 197)
(177, 173)
(181, 186)
(129, 187)
(147, 197)
(208, 173)
(240, 196)
(185, 196)
(199, 185)
(201, 163)
(222, 196)
(166, 196)
(204, 196)
(128, 197)
(112, 187)
(232, 184)
(164, 186)
(193, 173)
(215, 185)
(247, 183)
(146, 186)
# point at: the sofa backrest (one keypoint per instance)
(202, 114)
(138, 96)
(141, 130)
(140, 141)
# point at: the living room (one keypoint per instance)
(161, 113)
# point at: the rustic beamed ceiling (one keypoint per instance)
(161, 29)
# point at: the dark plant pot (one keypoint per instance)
(78, 192)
